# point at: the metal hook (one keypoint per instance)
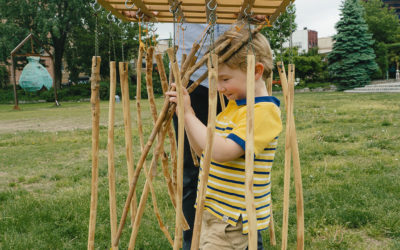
(245, 12)
(208, 5)
(94, 5)
(110, 18)
(126, 5)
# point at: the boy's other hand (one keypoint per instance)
(173, 97)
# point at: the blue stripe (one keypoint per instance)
(226, 204)
(227, 167)
(223, 129)
(269, 148)
(262, 196)
(258, 172)
(225, 192)
(266, 217)
(262, 185)
(226, 180)
(258, 99)
(238, 140)
(262, 160)
(269, 204)
(232, 219)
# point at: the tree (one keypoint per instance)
(111, 35)
(50, 20)
(384, 25)
(281, 30)
(352, 59)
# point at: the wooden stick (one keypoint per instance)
(123, 74)
(272, 238)
(183, 59)
(222, 100)
(286, 188)
(139, 97)
(156, 128)
(149, 175)
(194, 157)
(146, 189)
(171, 135)
(212, 113)
(189, 60)
(269, 83)
(194, 85)
(95, 106)
(110, 150)
(181, 131)
(249, 167)
(296, 166)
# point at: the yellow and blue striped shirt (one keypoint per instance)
(225, 190)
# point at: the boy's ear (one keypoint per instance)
(259, 70)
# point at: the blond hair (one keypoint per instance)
(262, 50)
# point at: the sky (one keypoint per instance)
(318, 15)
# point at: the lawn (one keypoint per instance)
(349, 151)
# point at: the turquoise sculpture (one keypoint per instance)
(34, 76)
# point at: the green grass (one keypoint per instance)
(349, 151)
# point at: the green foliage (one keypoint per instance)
(4, 77)
(281, 29)
(310, 67)
(111, 36)
(384, 25)
(352, 60)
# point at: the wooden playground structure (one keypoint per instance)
(189, 11)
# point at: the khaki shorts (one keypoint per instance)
(219, 235)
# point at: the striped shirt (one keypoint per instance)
(225, 190)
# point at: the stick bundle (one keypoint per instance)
(291, 150)
(212, 112)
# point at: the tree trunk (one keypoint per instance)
(59, 48)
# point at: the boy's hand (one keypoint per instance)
(172, 95)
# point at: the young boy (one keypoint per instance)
(224, 223)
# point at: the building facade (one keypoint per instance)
(304, 40)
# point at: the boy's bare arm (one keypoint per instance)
(223, 149)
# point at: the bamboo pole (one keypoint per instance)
(296, 166)
(110, 150)
(212, 113)
(95, 107)
(286, 188)
(181, 134)
(123, 74)
(249, 167)
(269, 83)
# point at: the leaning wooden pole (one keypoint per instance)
(249, 167)
(286, 183)
(123, 75)
(110, 151)
(95, 106)
(296, 165)
(212, 113)
(181, 134)
(269, 83)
